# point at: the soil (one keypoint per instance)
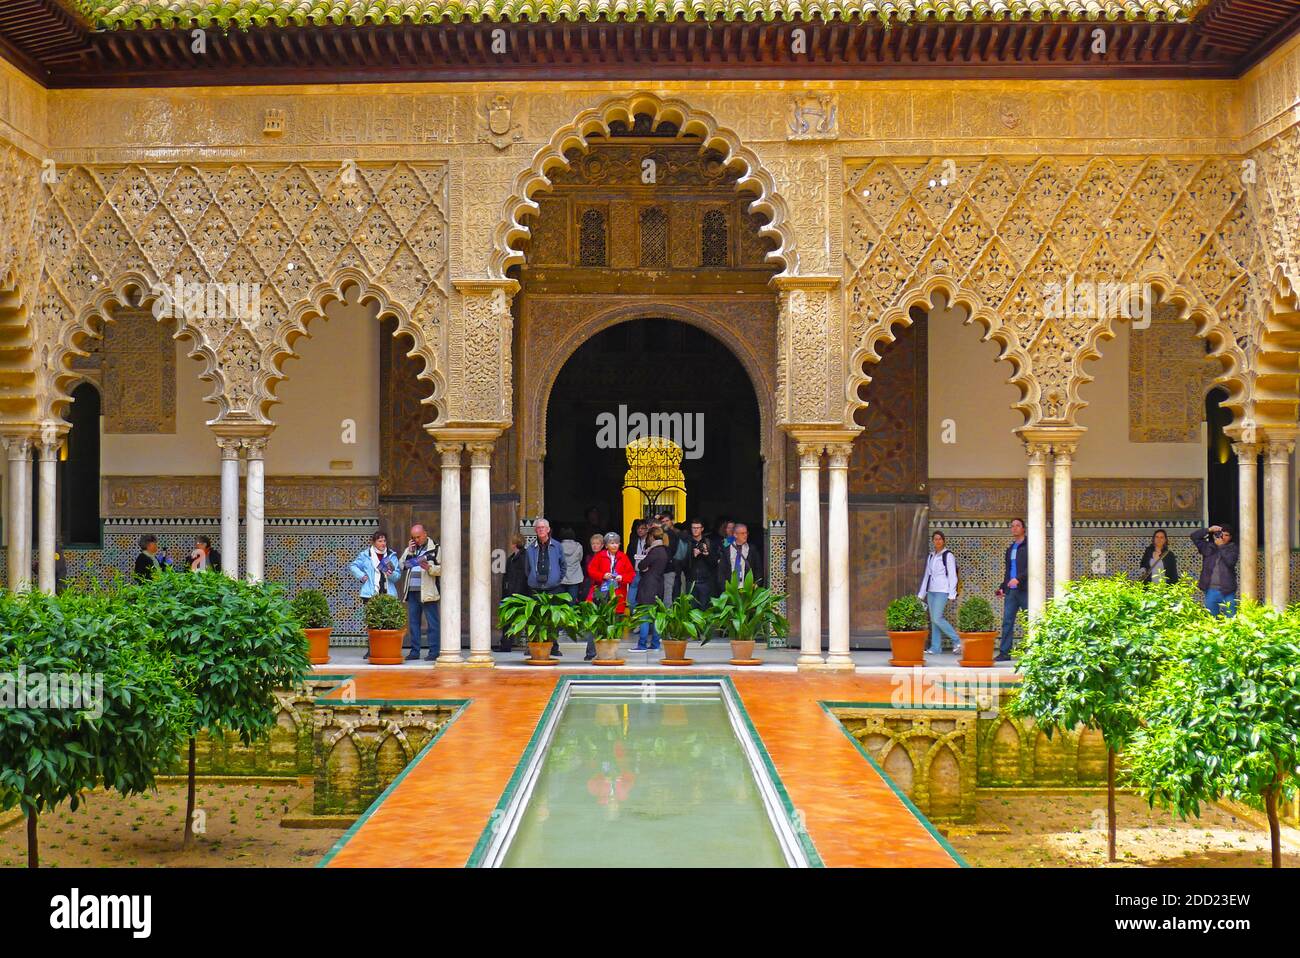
(241, 822)
(1055, 831)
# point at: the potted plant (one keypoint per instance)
(908, 625)
(977, 626)
(743, 613)
(313, 611)
(607, 626)
(386, 622)
(677, 624)
(539, 620)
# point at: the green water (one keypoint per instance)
(629, 783)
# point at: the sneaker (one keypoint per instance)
(1002, 657)
(412, 655)
(431, 657)
(589, 656)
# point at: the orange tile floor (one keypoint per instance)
(434, 815)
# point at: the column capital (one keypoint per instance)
(1279, 450)
(450, 452)
(17, 444)
(1037, 453)
(810, 454)
(838, 454)
(480, 454)
(52, 433)
(1246, 451)
(254, 447)
(1063, 452)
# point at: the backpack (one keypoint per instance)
(680, 553)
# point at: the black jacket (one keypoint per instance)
(753, 563)
(652, 567)
(1213, 555)
(1170, 563)
(701, 568)
(146, 567)
(1022, 567)
(514, 581)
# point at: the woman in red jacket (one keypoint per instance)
(610, 570)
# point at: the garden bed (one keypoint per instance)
(1053, 830)
(241, 821)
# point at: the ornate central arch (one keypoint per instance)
(513, 228)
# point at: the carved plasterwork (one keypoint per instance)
(1103, 500)
(138, 375)
(1168, 377)
(995, 235)
(808, 389)
(291, 496)
(478, 352)
(300, 234)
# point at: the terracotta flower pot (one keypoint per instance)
(742, 651)
(607, 650)
(318, 645)
(977, 649)
(539, 651)
(386, 646)
(907, 648)
(674, 648)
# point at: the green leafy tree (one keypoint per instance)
(976, 615)
(1223, 719)
(312, 609)
(907, 614)
(385, 612)
(112, 725)
(745, 611)
(239, 640)
(1088, 657)
(602, 619)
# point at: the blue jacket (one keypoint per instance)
(555, 572)
(364, 571)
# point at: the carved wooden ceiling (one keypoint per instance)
(60, 46)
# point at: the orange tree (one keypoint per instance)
(1223, 718)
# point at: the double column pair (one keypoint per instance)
(837, 453)
(19, 447)
(1049, 451)
(252, 449)
(1276, 451)
(480, 552)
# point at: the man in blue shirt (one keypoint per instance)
(545, 565)
(1015, 586)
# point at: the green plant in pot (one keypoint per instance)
(312, 611)
(678, 624)
(606, 625)
(908, 623)
(538, 620)
(386, 622)
(978, 627)
(745, 613)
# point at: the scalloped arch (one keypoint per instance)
(337, 289)
(134, 290)
(1277, 362)
(881, 332)
(511, 227)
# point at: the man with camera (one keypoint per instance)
(420, 565)
(1218, 569)
(701, 565)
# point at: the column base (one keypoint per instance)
(810, 663)
(839, 663)
(450, 660)
(481, 660)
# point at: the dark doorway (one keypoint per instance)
(79, 472)
(1221, 494)
(653, 366)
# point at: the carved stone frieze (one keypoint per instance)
(1106, 500)
(286, 496)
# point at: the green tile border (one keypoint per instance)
(728, 688)
(910, 805)
(460, 706)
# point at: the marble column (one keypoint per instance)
(480, 553)
(1036, 519)
(19, 453)
(51, 439)
(1247, 520)
(255, 509)
(230, 506)
(1277, 519)
(810, 554)
(837, 544)
(449, 528)
(1062, 522)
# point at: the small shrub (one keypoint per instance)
(907, 614)
(976, 615)
(385, 612)
(312, 609)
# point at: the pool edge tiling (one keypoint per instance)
(435, 812)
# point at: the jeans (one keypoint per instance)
(939, 626)
(631, 590)
(1221, 603)
(670, 587)
(649, 636)
(1012, 602)
(414, 609)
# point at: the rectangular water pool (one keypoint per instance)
(643, 774)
